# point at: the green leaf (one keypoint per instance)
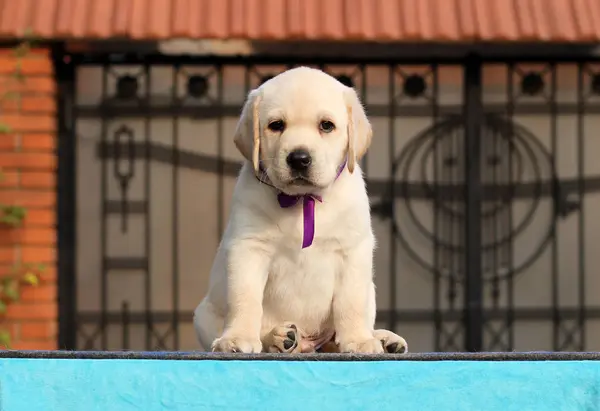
(2, 307)
(21, 50)
(4, 339)
(5, 128)
(41, 267)
(13, 215)
(10, 220)
(11, 291)
(31, 278)
(10, 95)
(18, 75)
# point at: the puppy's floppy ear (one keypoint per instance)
(247, 132)
(360, 131)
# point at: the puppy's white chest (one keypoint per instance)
(300, 287)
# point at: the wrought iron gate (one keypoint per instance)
(478, 176)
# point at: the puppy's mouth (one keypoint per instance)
(301, 182)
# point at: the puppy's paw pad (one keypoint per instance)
(395, 346)
(236, 344)
(391, 342)
(285, 339)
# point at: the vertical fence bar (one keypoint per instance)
(125, 322)
(510, 311)
(148, 215)
(175, 211)
(104, 217)
(581, 215)
(556, 317)
(437, 280)
(66, 201)
(453, 236)
(473, 111)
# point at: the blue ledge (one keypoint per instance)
(62, 381)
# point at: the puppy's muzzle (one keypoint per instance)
(299, 161)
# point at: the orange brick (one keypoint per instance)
(10, 104)
(38, 104)
(38, 330)
(7, 255)
(31, 179)
(35, 51)
(29, 84)
(27, 236)
(28, 103)
(34, 345)
(41, 293)
(27, 161)
(9, 236)
(11, 326)
(31, 64)
(9, 179)
(40, 218)
(48, 275)
(29, 122)
(43, 255)
(6, 270)
(32, 311)
(38, 142)
(8, 141)
(38, 236)
(37, 199)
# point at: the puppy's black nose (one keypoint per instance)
(299, 160)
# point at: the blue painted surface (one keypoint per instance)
(153, 385)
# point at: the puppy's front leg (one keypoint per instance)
(247, 271)
(352, 319)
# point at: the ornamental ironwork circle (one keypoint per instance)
(197, 86)
(414, 86)
(532, 84)
(432, 164)
(127, 87)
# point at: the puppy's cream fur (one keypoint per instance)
(261, 277)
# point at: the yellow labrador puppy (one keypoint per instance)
(294, 271)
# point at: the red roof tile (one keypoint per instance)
(376, 20)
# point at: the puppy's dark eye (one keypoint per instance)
(277, 126)
(326, 126)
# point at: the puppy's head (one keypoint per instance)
(300, 126)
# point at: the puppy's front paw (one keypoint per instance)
(392, 343)
(368, 346)
(285, 339)
(237, 344)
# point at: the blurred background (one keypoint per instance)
(483, 173)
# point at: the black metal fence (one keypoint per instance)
(483, 176)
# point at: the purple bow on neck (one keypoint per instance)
(308, 208)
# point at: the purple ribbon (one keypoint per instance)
(308, 208)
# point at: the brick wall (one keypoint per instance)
(27, 162)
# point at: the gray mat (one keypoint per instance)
(199, 356)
